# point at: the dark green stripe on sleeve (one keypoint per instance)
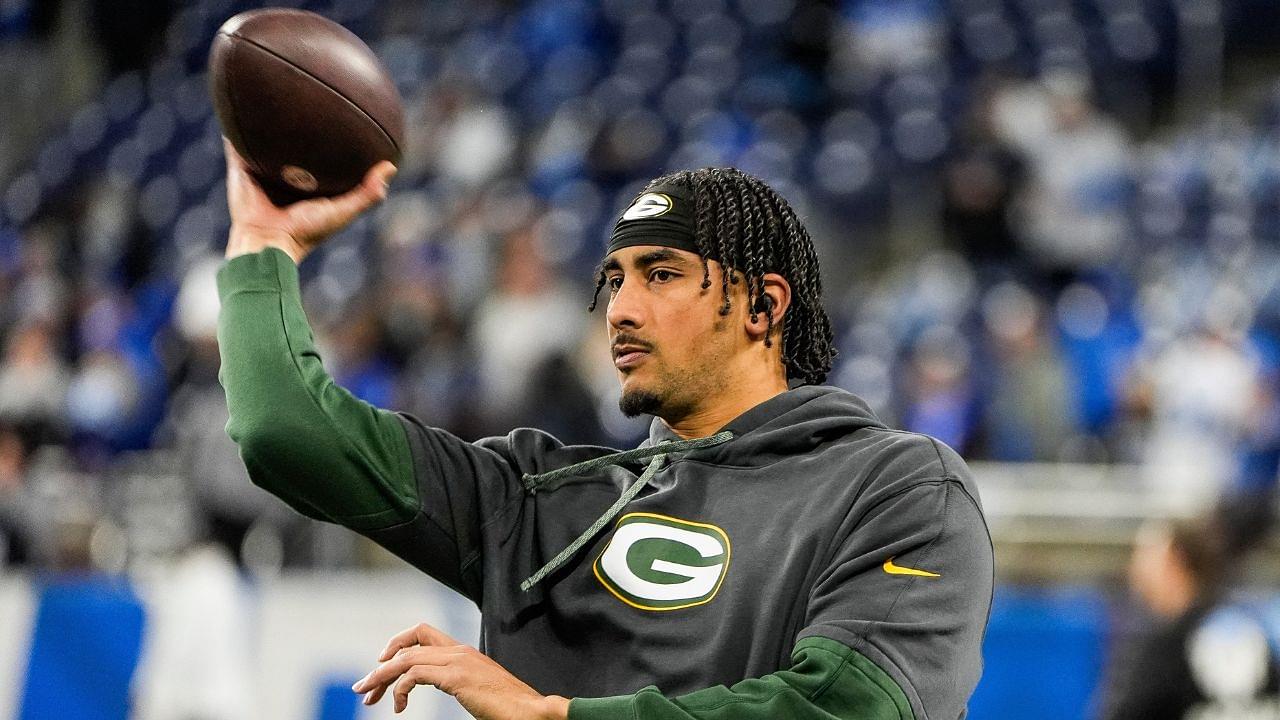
(825, 681)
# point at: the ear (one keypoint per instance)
(774, 300)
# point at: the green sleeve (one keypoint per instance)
(328, 454)
(825, 681)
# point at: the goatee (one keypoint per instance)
(639, 402)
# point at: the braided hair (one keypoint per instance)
(753, 231)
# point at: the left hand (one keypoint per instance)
(423, 655)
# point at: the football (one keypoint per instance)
(304, 101)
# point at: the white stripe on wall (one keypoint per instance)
(262, 649)
(17, 613)
(313, 627)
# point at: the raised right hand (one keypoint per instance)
(296, 229)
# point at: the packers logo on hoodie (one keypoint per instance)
(655, 562)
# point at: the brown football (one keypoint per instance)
(304, 101)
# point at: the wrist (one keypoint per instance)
(245, 241)
(554, 707)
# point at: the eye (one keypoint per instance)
(614, 283)
(662, 276)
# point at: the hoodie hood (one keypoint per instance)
(790, 423)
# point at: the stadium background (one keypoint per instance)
(1049, 231)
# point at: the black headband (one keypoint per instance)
(661, 216)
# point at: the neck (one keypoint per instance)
(716, 412)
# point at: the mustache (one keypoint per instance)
(622, 339)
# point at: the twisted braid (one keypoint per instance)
(706, 207)
(750, 229)
(808, 283)
(728, 226)
(595, 298)
(755, 249)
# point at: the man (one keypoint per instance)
(1202, 654)
(771, 551)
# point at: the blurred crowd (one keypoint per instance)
(1042, 237)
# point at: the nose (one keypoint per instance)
(626, 307)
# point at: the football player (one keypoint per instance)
(772, 550)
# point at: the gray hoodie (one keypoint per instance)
(780, 533)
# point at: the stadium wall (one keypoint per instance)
(201, 642)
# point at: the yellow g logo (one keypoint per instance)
(655, 562)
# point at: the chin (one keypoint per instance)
(637, 400)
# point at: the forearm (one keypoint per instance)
(328, 454)
(826, 681)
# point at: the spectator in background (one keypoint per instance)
(33, 385)
(979, 184)
(195, 426)
(1201, 657)
(1200, 393)
(455, 133)
(940, 398)
(101, 401)
(13, 516)
(526, 320)
(885, 35)
(1248, 509)
(428, 340)
(356, 352)
(40, 293)
(1028, 414)
(1072, 211)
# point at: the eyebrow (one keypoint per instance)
(653, 257)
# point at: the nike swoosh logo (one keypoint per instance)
(892, 569)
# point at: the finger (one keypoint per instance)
(420, 675)
(373, 696)
(420, 634)
(374, 691)
(328, 215)
(381, 173)
(375, 687)
(324, 216)
(401, 663)
(387, 672)
(399, 641)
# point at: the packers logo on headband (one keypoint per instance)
(648, 205)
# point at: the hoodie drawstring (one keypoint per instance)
(658, 453)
